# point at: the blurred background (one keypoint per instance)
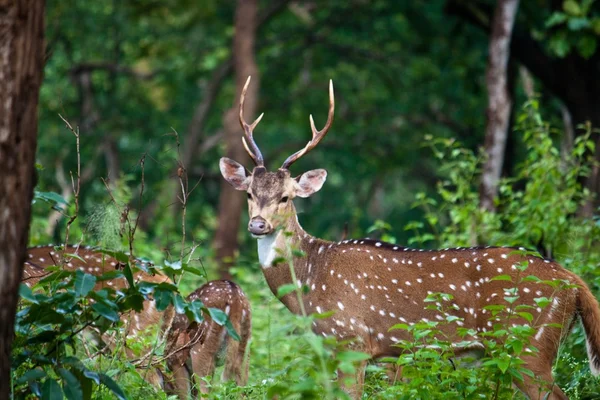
(149, 85)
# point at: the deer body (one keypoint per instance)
(191, 347)
(372, 285)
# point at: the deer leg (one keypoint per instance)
(353, 385)
(204, 354)
(542, 386)
(182, 381)
(393, 372)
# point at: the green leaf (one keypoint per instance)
(398, 327)
(178, 303)
(71, 386)
(501, 278)
(556, 18)
(285, 289)
(221, 318)
(31, 375)
(586, 46)
(503, 363)
(83, 283)
(526, 316)
(50, 197)
(352, 356)
(163, 299)
(51, 390)
(194, 311)
(576, 24)
(106, 311)
(113, 386)
(26, 293)
(571, 7)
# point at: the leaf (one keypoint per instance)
(556, 18)
(194, 311)
(501, 278)
(56, 276)
(162, 299)
(51, 390)
(399, 326)
(26, 293)
(178, 303)
(176, 265)
(83, 283)
(503, 363)
(71, 386)
(285, 289)
(576, 24)
(106, 311)
(113, 386)
(352, 356)
(526, 316)
(222, 319)
(571, 7)
(586, 46)
(31, 375)
(50, 197)
(92, 375)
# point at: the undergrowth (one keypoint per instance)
(536, 208)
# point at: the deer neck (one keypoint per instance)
(279, 246)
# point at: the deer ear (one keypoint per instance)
(310, 182)
(234, 173)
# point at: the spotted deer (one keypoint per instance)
(191, 348)
(372, 285)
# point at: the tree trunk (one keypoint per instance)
(21, 65)
(231, 202)
(580, 93)
(499, 100)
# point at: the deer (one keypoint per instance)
(371, 285)
(191, 348)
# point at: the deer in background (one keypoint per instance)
(191, 348)
(372, 285)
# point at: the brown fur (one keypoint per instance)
(187, 342)
(372, 285)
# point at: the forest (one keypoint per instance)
(129, 266)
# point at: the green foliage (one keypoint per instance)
(575, 27)
(536, 208)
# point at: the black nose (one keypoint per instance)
(258, 226)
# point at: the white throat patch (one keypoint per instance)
(267, 252)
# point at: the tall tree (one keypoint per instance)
(499, 99)
(21, 63)
(231, 202)
(570, 75)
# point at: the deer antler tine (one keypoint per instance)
(317, 135)
(248, 139)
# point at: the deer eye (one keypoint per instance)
(284, 199)
(249, 196)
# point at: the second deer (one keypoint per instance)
(372, 285)
(191, 347)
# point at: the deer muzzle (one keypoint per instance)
(259, 226)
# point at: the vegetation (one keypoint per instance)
(403, 160)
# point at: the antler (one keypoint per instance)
(317, 135)
(254, 152)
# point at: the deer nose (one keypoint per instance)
(258, 226)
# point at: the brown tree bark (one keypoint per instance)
(231, 202)
(499, 100)
(21, 66)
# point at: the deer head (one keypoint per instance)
(270, 194)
